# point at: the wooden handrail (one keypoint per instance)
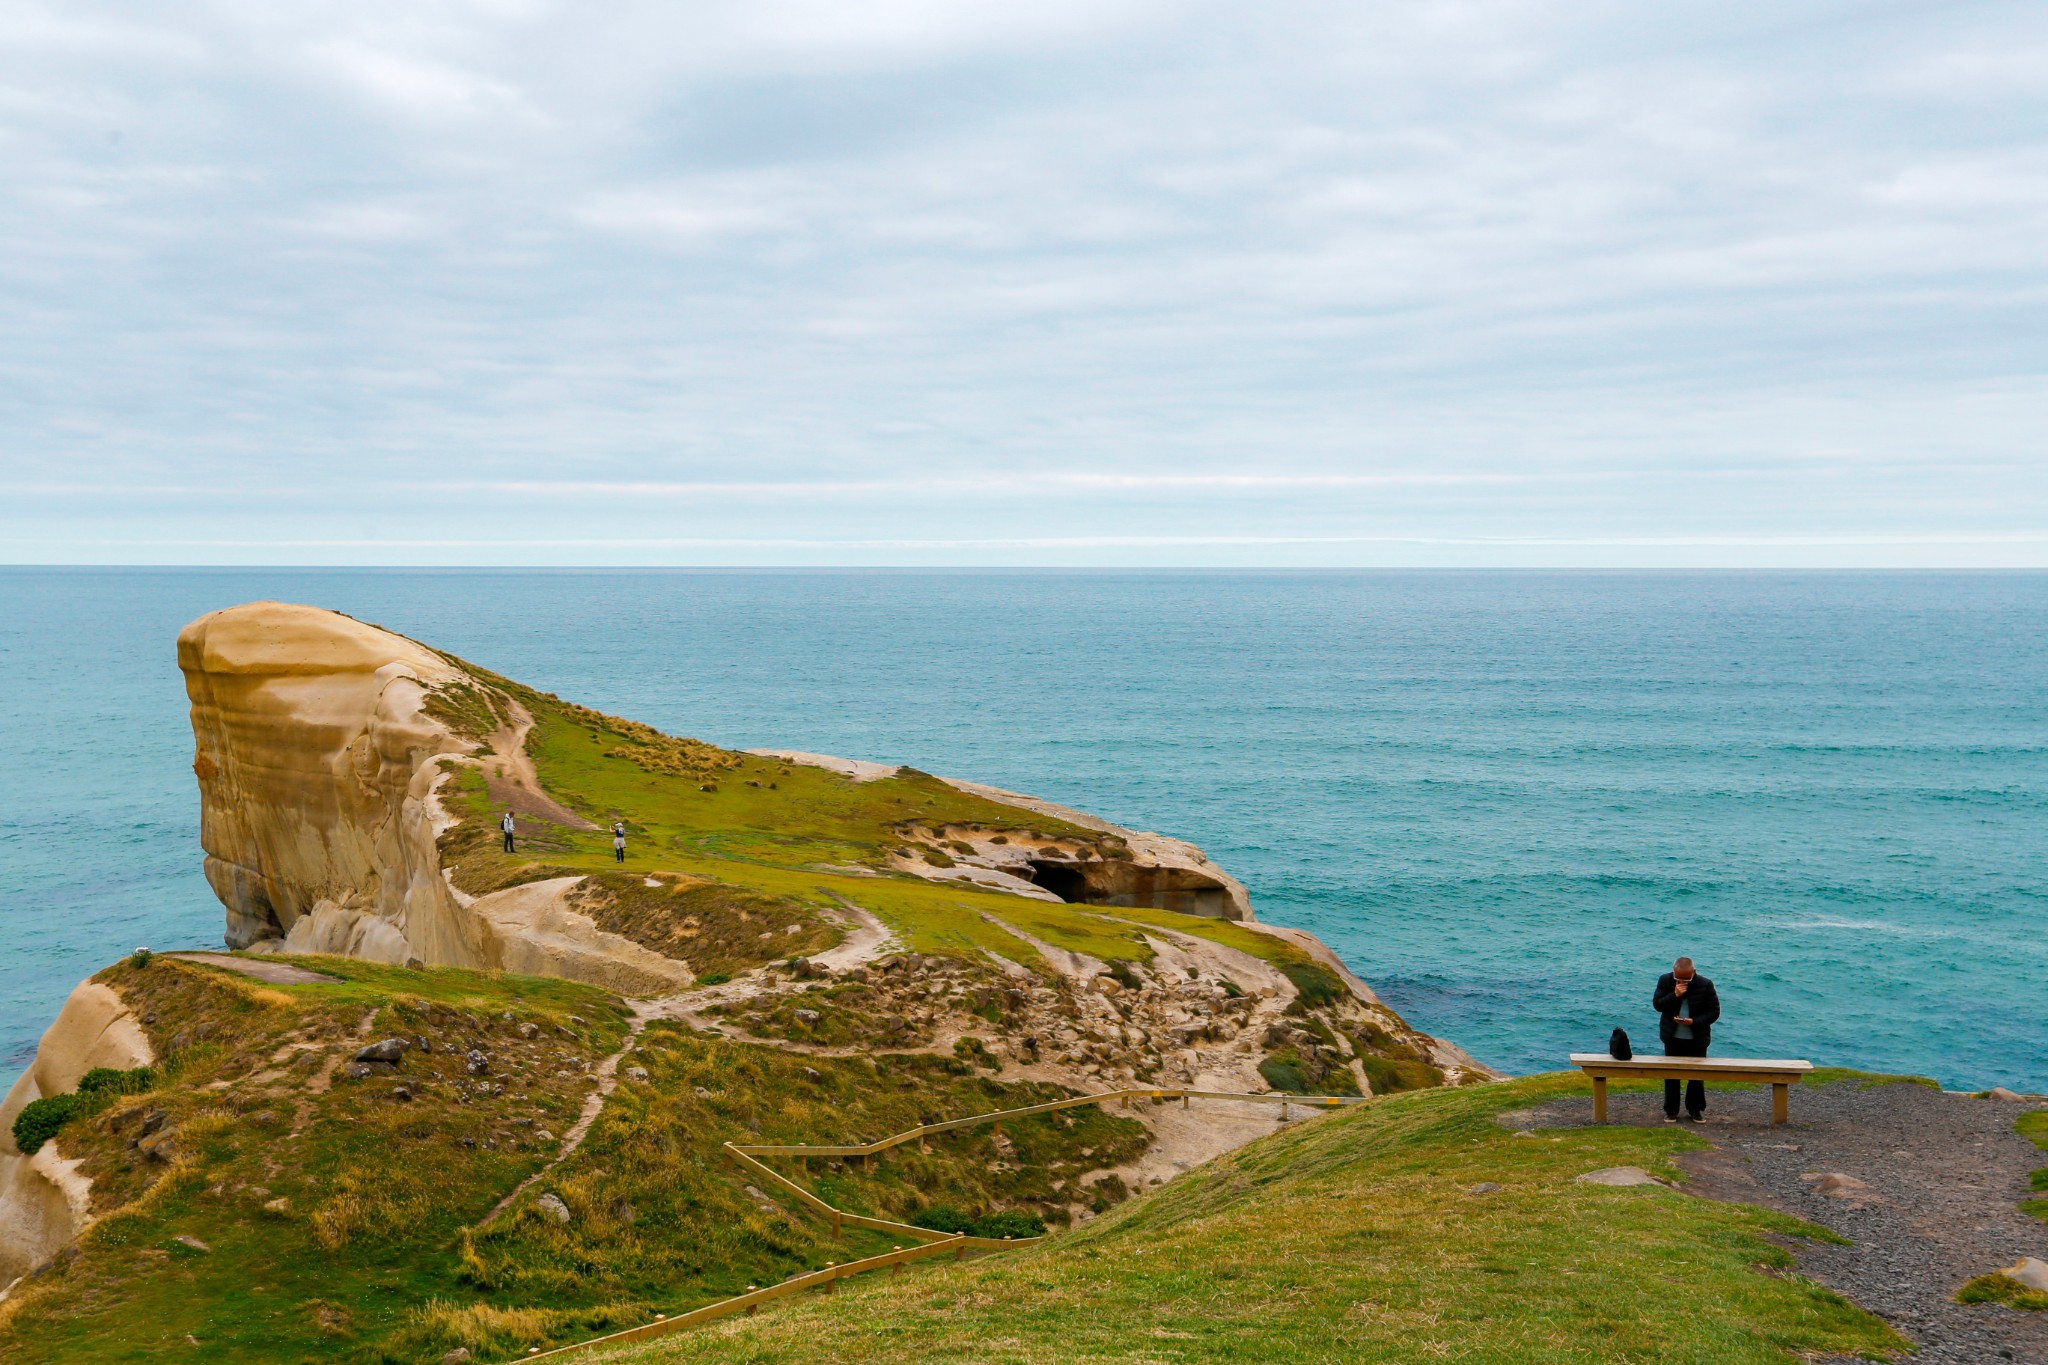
(934, 1243)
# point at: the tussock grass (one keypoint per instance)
(1996, 1288)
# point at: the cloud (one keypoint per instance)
(933, 274)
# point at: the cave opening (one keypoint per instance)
(1062, 879)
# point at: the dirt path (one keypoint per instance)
(867, 938)
(1943, 1173)
(607, 1073)
(510, 779)
(276, 973)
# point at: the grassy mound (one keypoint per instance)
(262, 1193)
(1362, 1236)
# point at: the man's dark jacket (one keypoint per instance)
(1699, 1002)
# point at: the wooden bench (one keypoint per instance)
(1780, 1075)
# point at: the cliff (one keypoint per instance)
(793, 945)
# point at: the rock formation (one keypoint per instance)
(44, 1202)
(315, 784)
(318, 758)
(320, 753)
(351, 785)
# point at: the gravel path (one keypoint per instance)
(1944, 1176)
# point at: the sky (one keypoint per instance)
(1114, 282)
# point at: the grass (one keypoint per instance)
(1355, 1238)
(371, 1188)
(1831, 1075)
(798, 840)
(2033, 1126)
(1996, 1288)
(341, 1223)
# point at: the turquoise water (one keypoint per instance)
(1508, 799)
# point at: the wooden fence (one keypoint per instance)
(931, 1243)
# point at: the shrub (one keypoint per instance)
(1389, 1074)
(39, 1121)
(140, 957)
(1005, 1223)
(105, 1080)
(1284, 1074)
(714, 978)
(942, 1218)
(1317, 985)
(1009, 1223)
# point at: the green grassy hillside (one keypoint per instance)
(1359, 1237)
(261, 1201)
(769, 839)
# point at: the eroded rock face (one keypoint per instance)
(1154, 871)
(313, 753)
(318, 763)
(44, 1202)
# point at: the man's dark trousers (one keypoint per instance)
(1695, 1091)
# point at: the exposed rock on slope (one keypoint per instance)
(315, 783)
(321, 742)
(1117, 867)
(44, 1201)
(821, 948)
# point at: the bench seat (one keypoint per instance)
(1780, 1074)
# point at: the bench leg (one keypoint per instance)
(1781, 1104)
(1599, 1099)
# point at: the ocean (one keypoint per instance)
(1508, 799)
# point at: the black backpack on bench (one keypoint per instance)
(1617, 1046)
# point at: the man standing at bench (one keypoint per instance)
(1687, 1008)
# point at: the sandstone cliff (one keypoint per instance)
(321, 751)
(318, 758)
(779, 919)
(44, 1200)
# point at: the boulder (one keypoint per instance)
(551, 1206)
(1619, 1175)
(478, 1062)
(1999, 1092)
(186, 1239)
(388, 1051)
(2030, 1271)
(637, 1073)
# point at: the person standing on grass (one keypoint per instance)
(619, 840)
(1686, 1010)
(506, 825)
